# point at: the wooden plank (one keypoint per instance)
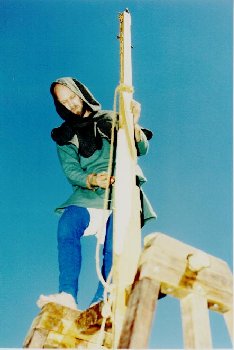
(195, 322)
(56, 340)
(139, 315)
(59, 326)
(38, 339)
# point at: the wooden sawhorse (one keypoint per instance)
(199, 280)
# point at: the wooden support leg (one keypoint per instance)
(139, 315)
(228, 317)
(195, 321)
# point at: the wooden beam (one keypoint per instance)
(183, 269)
(139, 315)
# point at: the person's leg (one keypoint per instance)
(107, 259)
(108, 248)
(71, 227)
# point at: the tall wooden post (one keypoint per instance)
(127, 239)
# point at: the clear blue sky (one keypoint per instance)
(182, 64)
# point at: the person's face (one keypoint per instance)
(69, 99)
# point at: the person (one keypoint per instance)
(83, 147)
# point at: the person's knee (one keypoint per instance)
(72, 223)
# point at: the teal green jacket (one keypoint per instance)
(76, 168)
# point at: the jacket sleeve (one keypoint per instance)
(69, 160)
(143, 145)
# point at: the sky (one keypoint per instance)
(182, 76)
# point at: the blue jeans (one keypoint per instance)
(71, 227)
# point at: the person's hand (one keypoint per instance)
(101, 180)
(136, 110)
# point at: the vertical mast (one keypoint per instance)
(127, 238)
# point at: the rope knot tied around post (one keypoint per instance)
(125, 88)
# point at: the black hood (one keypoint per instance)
(90, 103)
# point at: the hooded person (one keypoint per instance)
(83, 147)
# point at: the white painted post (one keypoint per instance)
(127, 240)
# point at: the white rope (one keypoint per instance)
(108, 287)
(105, 204)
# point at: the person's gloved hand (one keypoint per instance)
(136, 110)
(101, 180)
